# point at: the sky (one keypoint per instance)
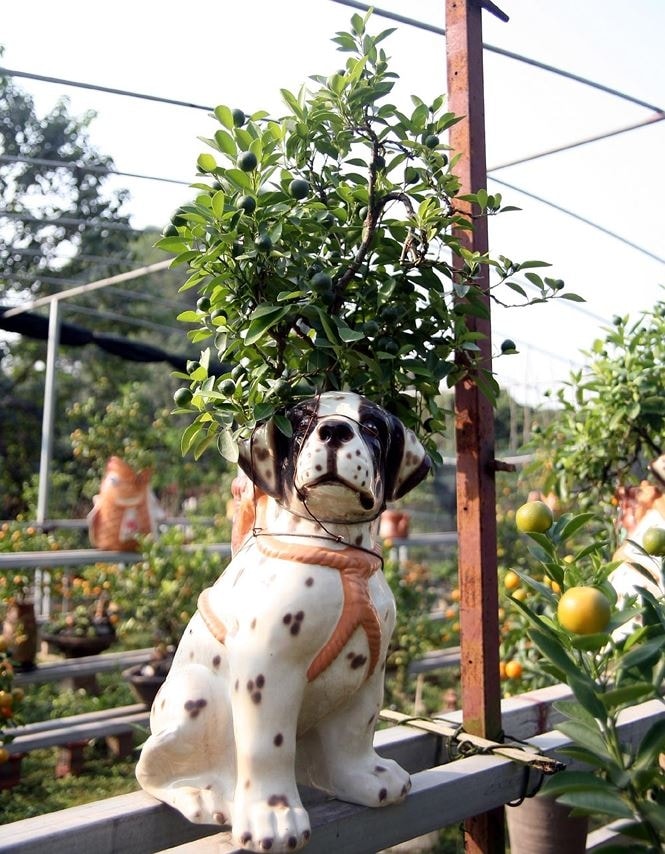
(241, 54)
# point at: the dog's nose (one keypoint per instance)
(335, 433)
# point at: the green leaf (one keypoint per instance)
(551, 648)
(575, 781)
(583, 735)
(188, 436)
(224, 116)
(571, 525)
(651, 745)
(627, 695)
(218, 201)
(226, 142)
(283, 425)
(587, 697)
(639, 655)
(228, 447)
(607, 803)
(262, 320)
(172, 244)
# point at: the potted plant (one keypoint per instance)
(85, 630)
(19, 628)
(319, 246)
(582, 638)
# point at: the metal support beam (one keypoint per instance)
(48, 416)
(474, 425)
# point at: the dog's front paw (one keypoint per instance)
(273, 825)
(383, 782)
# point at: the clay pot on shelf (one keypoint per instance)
(20, 632)
(394, 524)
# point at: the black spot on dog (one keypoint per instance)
(266, 843)
(295, 628)
(250, 685)
(309, 582)
(219, 817)
(380, 769)
(292, 842)
(286, 619)
(237, 685)
(246, 837)
(278, 801)
(383, 794)
(260, 680)
(193, 707)
(359, 540)
(358, 661)
(256, 697)
(278, 740)
(300, 616)
(217, 660)
(262, 453)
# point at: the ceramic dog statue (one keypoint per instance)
(279, 674)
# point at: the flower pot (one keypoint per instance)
(76, 647)
(145, 680)
(20, 632)
(394, 524)
(541, 826)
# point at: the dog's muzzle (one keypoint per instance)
(336, 469)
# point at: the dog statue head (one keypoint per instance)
(345, 459)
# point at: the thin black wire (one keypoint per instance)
(101, 225)
(421, 25)
(10, 72)
(583, 219)
(84, 167)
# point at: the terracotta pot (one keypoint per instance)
(394, 524)
(541, 826)
(20, 632)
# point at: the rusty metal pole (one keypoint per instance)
(474, 427)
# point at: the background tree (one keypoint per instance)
(611, 420)
(60, 226)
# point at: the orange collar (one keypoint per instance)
(341, 559)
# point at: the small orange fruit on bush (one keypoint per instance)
(511, 580)
(584, 610)
(534, 517)
(513, 669)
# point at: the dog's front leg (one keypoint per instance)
(338, 755)
(266, 695)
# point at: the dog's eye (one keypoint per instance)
(371, 427)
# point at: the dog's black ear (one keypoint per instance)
(407, 462)
(260, 458)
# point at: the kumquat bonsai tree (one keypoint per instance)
(612, 655)
(320, 247)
